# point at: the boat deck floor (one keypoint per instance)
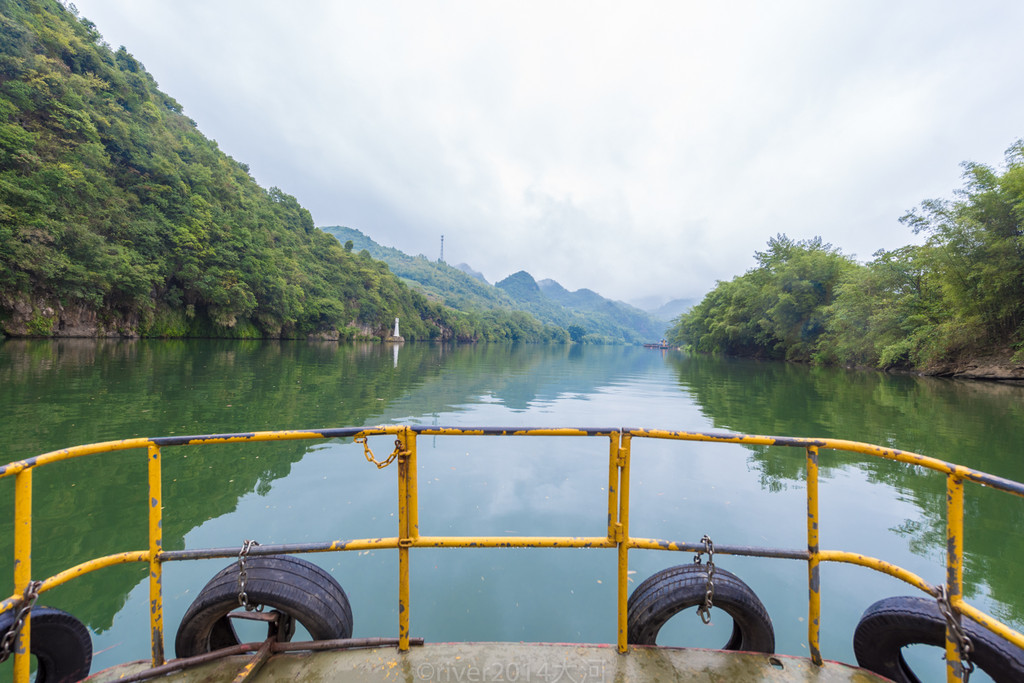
(514, 662)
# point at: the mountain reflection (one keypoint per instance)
(67, 392)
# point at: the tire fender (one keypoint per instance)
(670, 591)
(300, 590)
(61, 644)
(893, 623)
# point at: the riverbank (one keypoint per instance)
(997, 366)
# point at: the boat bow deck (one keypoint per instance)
(516, 662)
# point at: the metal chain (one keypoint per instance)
(243, 597)
(28, 601)
(379, 463)
(958, 631)
(704, 611)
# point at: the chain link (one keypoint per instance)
(243, 597)
(956, 628)
(28, 601)
(704, 611)
(381, 464)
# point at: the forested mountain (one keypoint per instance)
(590, 315)
(118, 217)
(437, 280)
(588, 301)
(583, 308)
(938, 306)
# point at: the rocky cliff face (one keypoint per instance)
(1001, 366)
(40, 317)
(43, 318)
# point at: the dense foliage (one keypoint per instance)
(603, 320)
(601, 311)
(959, 294)
(487, 313)
(776, 310)
(118, 217)
(436, 279)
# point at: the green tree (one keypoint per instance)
(960, 294)
(885, 313)
(978, 245)
(775, 310)
(114, 208)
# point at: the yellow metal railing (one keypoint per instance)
(618, 535)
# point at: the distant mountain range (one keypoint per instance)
(672, 309)
(465, 289)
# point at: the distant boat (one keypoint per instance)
(663, 344)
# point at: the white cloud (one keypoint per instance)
(634, 150)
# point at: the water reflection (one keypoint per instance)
(978, 424)
(66, 392)
(58, 393)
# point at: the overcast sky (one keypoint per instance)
(639, 149)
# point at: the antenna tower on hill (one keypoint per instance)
(441, 260)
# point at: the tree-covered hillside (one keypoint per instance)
(600, 319)
(958, 296)
(589, 302)
(118, 217)
(436, 279)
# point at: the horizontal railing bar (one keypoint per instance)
(782, 553)
(281, 548)
(393, 542)
(988, 622)
(430, 430)
(80, 570)
(286, 435)
(978, 477)
(194, 440)
(878, 565)
(740, 550)
(73, 452)
(480, 542)
(512, 542)
(488, 542)
(907, 457)
(725, 437)
(93, 565)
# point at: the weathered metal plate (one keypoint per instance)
(518, 663)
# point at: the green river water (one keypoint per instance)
(59, 393)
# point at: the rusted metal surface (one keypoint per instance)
(954, 571)
(132, 672)
(813, 558)
(404, 541)
(723, 549)
(156, 600)
(23, 567)
(524, 662)
(622, 460)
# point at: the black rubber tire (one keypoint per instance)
(893, 623)
(291, 585)
(61, 644)
(670, 591)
